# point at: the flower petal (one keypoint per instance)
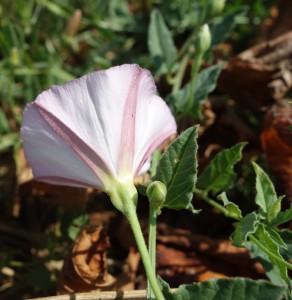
(72, 105)
(155, 125)
(51, 158)
(116, 96)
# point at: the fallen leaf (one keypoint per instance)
(85, 267)
(184, 257)
(276, 141)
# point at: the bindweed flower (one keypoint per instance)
(97, 131)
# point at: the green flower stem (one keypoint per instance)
(213, 203)
(152, 245)
(187, 44)
(169, 78)
(185, 47)
(268, 252)
(134, 222)
(124, 197)
(195, 69)
(180, 74)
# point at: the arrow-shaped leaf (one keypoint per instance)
(266, 197)
(219, 175)
(160, 43)
(177, 169)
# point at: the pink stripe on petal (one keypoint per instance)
(63, 181)
(89, 156)
(127, 141)
(151, 148)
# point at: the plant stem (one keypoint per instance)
(215, 204)
(135, 225)
(187, 44)
(195, 69)
(124, 197)
(152, 245)
(180, 74)
(268, 252)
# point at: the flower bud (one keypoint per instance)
(203, 40)
(156, 192)
(215, 7)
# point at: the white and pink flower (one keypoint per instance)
(96, 130)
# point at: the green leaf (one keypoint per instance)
(275, 209)
(205, 84)
(234, 210)
(276, 237)
(271, 245)
(224, 26)
(4, 126)
(266, 197)
(160, 43)
(219, 175)
(54, 8)
(60, 74)
(286, 236)
(76, 225)
(282, 217)
(245, 227)
(177, 169)
(226, 289)
(9, 140)
(272, 271)
(119, 11)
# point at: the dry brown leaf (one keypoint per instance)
(85, 265)
(277, 143)
(74, 23)
(207, 275)
(186, 257)
(260, 75)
